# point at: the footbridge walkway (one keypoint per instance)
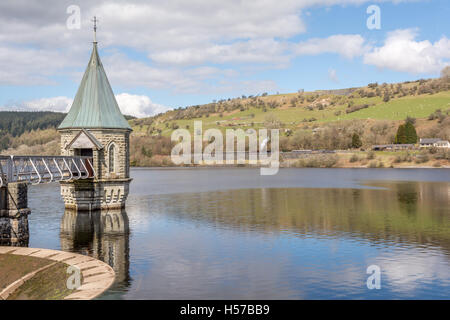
(44, 169)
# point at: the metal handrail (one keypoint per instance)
(40, 169)
(68, 168)
(86, 170)
(59, 169)
(92, 167)
(37, 172)
(78, 169)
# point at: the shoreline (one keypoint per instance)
(338, 159)
(234, 166)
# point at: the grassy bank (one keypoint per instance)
(48, 284)
(13, 267)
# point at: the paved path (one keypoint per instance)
(97, 275)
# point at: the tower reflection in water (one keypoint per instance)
(103, 235)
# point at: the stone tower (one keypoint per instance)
(95, 127)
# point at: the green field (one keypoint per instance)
(398, 109)
(420, 106)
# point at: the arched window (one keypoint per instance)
(111, 155)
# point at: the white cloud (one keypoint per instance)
(131, 73)
(135, 105)
(346, 45)
(59, 104)
(196, 80)
(33, 66)
(401, 52)
(179, 38)
(138, 105)
(332, 75)
(158, 27)
(254, 51)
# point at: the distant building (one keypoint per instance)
(434, 142)
(442, 144)
(392, 147)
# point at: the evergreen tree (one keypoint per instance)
(410, 133)
(356, 141)
(400, 138)
(406, 133)
(410, 119)
(145, 152)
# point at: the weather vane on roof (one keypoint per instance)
(95, 20)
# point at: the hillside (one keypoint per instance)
(416, 99)
(15, 124)
(27, 131)
(324, 119)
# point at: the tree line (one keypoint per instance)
(15, 123)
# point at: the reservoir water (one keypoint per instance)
(234, 234)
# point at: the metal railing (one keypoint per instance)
(44, 169)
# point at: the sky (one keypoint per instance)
(160, 55)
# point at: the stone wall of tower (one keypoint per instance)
(85, 195)
(66, 137)
(121, 140)
(108, 189)
(119, 137)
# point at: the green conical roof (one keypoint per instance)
(94, 105)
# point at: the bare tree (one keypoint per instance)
(445, 73)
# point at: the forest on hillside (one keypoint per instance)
(30, 127)
(15, 123)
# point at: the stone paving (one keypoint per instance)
(97, 275)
